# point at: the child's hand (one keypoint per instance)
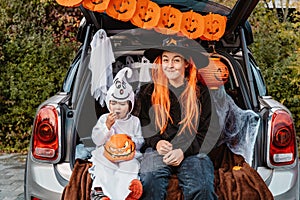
(111, 118)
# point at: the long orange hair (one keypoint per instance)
(161, 101)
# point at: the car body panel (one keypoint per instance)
(41, 181)
(288, 190)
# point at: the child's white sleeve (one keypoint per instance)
(138, 137)
(100, 133)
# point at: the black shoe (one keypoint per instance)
(97, 194)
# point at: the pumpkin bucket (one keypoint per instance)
(119, 147)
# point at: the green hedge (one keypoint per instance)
(37, 45)
(276, 49)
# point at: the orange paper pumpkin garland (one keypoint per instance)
(215, 74)
(169, 21)
(95, 5)
(69, 3)
(166, 20)
(215, 26)
(146, 15)
(119, 147)
(192, 24)
(121, 9)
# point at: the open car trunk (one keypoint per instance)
(128, 49)
(129, 43)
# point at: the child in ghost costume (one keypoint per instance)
(115, 178)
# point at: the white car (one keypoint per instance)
(64, 122)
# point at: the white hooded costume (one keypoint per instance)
(115, 178)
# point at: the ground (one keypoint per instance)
(12, 176)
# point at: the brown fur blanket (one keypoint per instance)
(80, 183)
(234, 180)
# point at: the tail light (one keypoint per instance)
(283, 139)
(46, 137)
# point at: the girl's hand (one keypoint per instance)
(174, 157)
(111, 118)
(163, 147)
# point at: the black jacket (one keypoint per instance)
(190, 143)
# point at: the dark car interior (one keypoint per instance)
(91, 110)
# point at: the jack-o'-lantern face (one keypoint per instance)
(215, 74)
(146, 15)
(222, 72)
(69, 3)
(192, 25)
(95, 5)
(119, 147)
(170, 20)
(215, 26)
(121, 9)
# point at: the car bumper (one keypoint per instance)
(43, 181)
(47, 181)
(283, 183)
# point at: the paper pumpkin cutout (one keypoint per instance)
(121, 9)
(119, 147)
(192, 25)
(95, 5)
(170, 20)
(215, 26)
(166, 20)
(69, 3)
(215, 74)
(146, 14)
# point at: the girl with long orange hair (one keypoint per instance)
(175, 114)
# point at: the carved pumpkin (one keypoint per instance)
(146, 15)
(215, 26)
(119, 147)
(69, 3)
(95, 5)
(215, 74)
(121, 9)
(192, 25)
(170, 20)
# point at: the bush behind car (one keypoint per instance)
(276, 49)
(34, 57)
